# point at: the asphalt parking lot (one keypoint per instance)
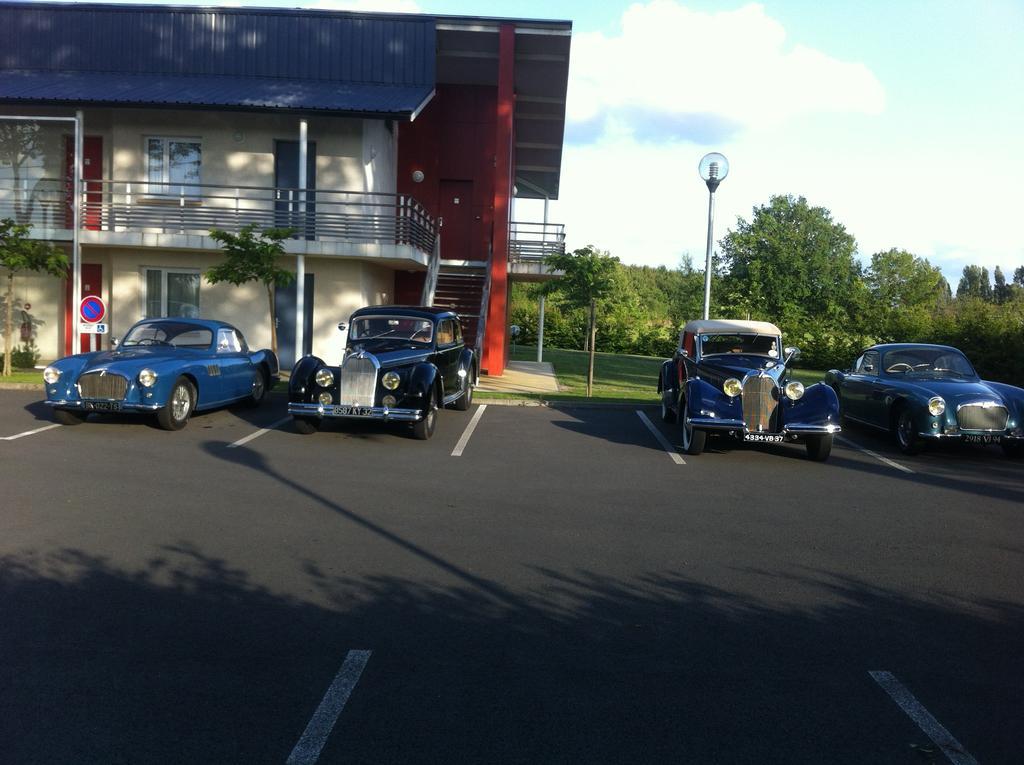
(548, 585)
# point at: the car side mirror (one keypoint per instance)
(869, 367)
(114, 342)
(792, 353)
(342, 326)
(684, 353)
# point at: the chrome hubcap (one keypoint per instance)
(905, 429)
(180, 402)
(257, 386)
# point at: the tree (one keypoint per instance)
(975, 283)
(898, 279)
(19, 253)
(20, 145)
(1018, 276)
(252, 255)
(1001, 290)
(589, 276)
(791, 260)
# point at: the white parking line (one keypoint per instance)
(941, 737)
(461, 445)
(258, 433)
(661, 439)
(30, 432)
(307, 751)
(877, 456)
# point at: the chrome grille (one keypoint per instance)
(103, 386)
(759, 402)
(981, 417)
(358, 381)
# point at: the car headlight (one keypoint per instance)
(389, 401)
(794, 390)
(324, 398)
(147, 377)
(732, 387)
(391, 380)
(936, 405)
(51, 375)
(324, 377)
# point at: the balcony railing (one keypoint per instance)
(122, 206)
(532, 242)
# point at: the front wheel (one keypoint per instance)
(259, 388)
(819, 447)
(906, 433)
(424, 428)
(693, 439)
(466, 399)
(68, 417)
(175, 413)
(667, 415)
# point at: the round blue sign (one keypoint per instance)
(92, 309)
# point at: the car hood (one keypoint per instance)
(955, 391)
(393, 355)
(133, 358)
(740, 365)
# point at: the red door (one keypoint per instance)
(457, 217)
(92, 284)
(92, 170)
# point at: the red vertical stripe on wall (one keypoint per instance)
(495, 344)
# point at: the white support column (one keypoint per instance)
(76, 242)
(300, 267)
(540, 320)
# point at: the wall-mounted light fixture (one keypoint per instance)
(418, 176)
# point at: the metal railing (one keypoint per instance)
(485, 307)
(433, 269)
(193, 208)
(532, 242)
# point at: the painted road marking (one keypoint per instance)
(461, 445)
(307, 751)
(941, 737)
(30, 432)
(661, 439)
(877, 456)
(258, 433)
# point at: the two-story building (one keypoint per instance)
(393, 146)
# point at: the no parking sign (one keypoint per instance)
(92, 309)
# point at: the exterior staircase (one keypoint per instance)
(461, 287)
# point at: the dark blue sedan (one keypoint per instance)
(166, 367)
(929, 393)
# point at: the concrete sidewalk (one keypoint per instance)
(522, 377)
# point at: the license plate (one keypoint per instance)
(103, 406)
(973, 439)
(764, 438)
(353, 411)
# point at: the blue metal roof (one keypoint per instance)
(216, 57)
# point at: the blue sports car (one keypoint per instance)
(929, 393)
(169, 367)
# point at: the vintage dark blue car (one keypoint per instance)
(929, 393)
(169, 367)
(401, 364)
(731, 377)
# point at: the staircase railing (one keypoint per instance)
(433, 269)
(485, 299)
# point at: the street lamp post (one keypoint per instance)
(713, 168)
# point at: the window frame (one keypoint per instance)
(164, 187)
(164, 271)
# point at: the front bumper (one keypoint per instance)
(974, 437)
(101, 405)
(334, 411)
(796, 429)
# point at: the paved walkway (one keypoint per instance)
(522, 377)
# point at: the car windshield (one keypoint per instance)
(402, 328)
(930, 361)
(758, 345)
(174, 333)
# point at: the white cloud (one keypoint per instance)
(705, 75)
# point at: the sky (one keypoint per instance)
(904, 119)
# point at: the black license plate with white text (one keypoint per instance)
(764, 438)
(103, 406)
(970, 438)
(352, 411)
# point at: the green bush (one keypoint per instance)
(25, 356)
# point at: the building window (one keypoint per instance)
(172, 292)
(173, 166)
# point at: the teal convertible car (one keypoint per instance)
(929, 393)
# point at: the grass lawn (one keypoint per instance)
(617, 377)
(24, 376)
